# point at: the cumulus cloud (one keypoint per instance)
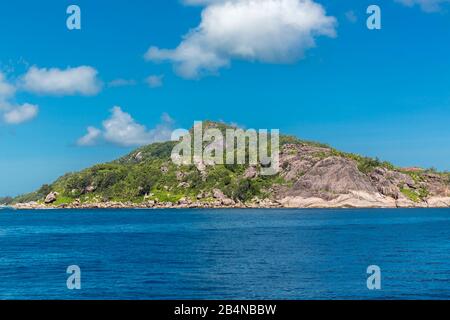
(154, 81)
(7, 90)
(10, 112)
(71, 81)
(426, 5)
(121, 129)
(20, 114)
(90, 138)
(269, 31)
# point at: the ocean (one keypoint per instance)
(225, 254)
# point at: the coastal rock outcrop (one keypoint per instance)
(353, 199)
(328, 179)
(51, 197)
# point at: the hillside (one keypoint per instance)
(311, 175)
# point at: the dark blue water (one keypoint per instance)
(225, 254)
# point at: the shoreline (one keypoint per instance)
(347, 201)
(213, 208)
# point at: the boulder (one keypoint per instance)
(90, 188)
(227, 202)
(218, 194)
(183, 185)
(251, 173)
(51, 197)
(183, 202)
(439, 202)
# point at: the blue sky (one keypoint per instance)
(382, 93)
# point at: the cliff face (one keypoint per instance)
(311, 175)
(323, 177)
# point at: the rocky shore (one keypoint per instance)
(354, 199)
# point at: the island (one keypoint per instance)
(311, 175)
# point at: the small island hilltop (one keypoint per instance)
(311, 175)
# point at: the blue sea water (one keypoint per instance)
(225, 254)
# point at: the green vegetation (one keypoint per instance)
(294, 140)
(148, 173)
(410, 194)
(415, 195)
(366, 165)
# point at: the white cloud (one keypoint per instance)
(71, 81)
(122, 83)
(426, 5)
(90, 138)
(20, 114)
(6, 89)
(10, 112)
(270, 31)
(121, 129)
(154, 81)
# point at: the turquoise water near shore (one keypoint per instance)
(225, 254)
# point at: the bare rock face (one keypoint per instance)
(321, 178)
(404, 202)
(218, 194)
(436, 185)
(295, 160)
(227, 202)
(388, 182)
(29, 205)
(251, 173)
(331, 177)
(353, 199)
(51, 197)
(296, 168)
(222, 199)
(183, 202)
(439, 202)
(90, 188)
